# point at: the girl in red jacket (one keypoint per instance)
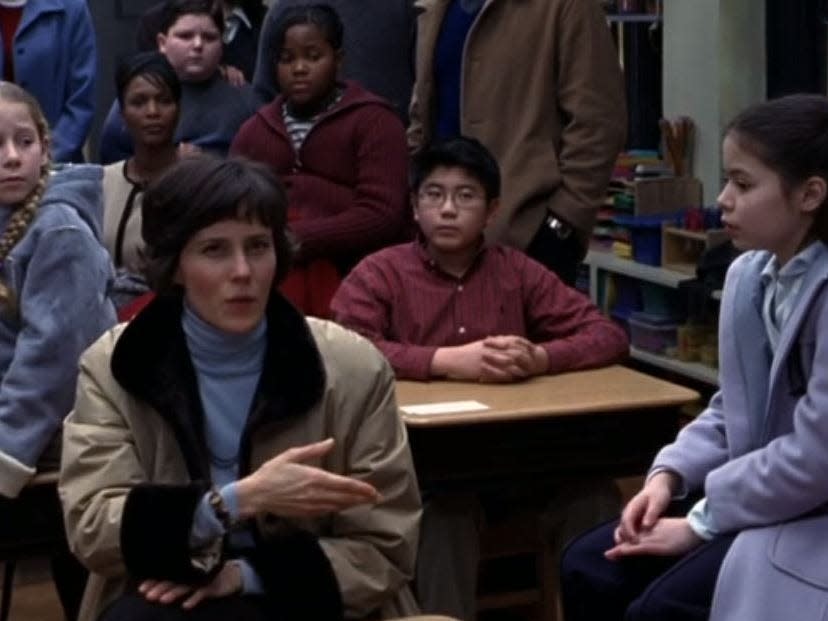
(339, 149)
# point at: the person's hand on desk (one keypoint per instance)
(513, 355)
(287, 487)
(494, 359)
(461, 362)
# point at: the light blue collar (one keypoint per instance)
(216, 351)
(794, 268)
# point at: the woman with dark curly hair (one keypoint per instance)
(226, 457)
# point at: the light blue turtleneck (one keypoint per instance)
(228, 367)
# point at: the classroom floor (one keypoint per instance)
(35, 598)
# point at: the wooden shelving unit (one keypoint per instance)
(633, 18)
(694, 370)
(607, 262)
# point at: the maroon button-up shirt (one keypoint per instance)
(403, 302)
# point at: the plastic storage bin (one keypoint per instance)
(653, 333)
(645, 232)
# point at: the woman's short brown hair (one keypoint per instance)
(199, 191)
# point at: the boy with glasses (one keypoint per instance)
(447, 306)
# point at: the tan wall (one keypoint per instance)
(714, 66)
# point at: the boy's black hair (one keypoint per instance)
(460, 152)
(198, 191)
(175, 9)
(322, 16)
(153, 67)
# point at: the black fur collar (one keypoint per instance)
(151, 362)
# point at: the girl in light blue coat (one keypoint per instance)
(54, 276)
(753, 546)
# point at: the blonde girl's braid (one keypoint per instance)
(16, 229)
(22, 217)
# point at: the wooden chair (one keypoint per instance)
(31, 525)
(522, 534)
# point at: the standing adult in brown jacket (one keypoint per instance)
(537, 82)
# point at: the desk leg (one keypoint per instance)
(8, 587)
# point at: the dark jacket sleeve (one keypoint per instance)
(298, 579)
(155, 533)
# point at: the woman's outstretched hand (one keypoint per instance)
(286, 486)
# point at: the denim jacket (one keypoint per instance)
(59, 276)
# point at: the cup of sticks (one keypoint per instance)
(677, 142)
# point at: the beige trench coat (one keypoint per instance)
(113, 441)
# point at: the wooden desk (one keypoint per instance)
(601, 422)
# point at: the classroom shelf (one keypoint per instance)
(694, 370)
(598, 260)
(612, 263)
(604, 261)
(633, 18)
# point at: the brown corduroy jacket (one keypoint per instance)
(542, 89)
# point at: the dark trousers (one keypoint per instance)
(32, 524)
(133, 607)
(70, 578)
(562, 256)
(645, 588)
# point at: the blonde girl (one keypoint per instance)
(54, 275)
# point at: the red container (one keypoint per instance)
(629, 6)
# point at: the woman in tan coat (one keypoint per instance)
(226, 457)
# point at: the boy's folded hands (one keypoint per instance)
(503, 358)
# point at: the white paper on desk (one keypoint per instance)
(446, 407)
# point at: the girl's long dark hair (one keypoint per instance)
(790, 136)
